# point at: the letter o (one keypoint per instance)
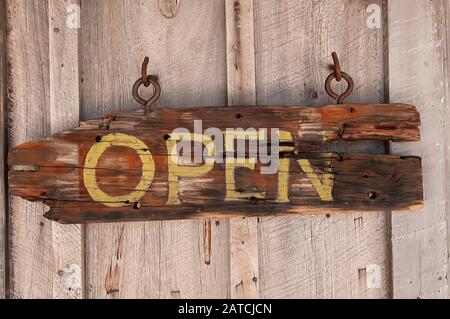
(94, 154)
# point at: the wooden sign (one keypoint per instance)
(124, 167)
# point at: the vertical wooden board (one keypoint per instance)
(3, 139)
(30, 235)
(173, 259)
(320, 257)
(418, 71)
(242, 91)
(45, 257)
(240, 53)
(67, 242)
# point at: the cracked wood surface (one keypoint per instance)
(135, 159)
(45, 258)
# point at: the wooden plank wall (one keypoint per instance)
(319, 257)
(170, 259)
(3, 139)
(225, 52)
(418, 73)
(45, 258)
(244, 263)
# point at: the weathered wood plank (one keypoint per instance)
(328, 123)
(3, 143)
(30, 235)
(418, 71)
(359, 182)
(156, 259)
(318, 257)
(240, 53)
(68, 240)
(241, 89)
(122, 165)
(43, 81)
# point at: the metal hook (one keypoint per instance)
(146, 80)
(336, 66)
(338, 75)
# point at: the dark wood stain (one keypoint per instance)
(365, 182)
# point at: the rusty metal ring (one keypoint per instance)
(339, 98)
(156, 93)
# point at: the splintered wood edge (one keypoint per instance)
(136, 117)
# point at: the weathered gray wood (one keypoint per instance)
(154, 259)
(3, 139)
(30, 235)
(67, 240)
(319, 257)
(45, 258)
(418, 71)
(241, 80)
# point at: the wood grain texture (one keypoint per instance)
(3, 143)
(359, 182)
(320, 257)
(62, 171)
(68, 240)
(240, 53)
(241, 88)
(418, 71)
(154, 259)
(31, 263)
(45, 258)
